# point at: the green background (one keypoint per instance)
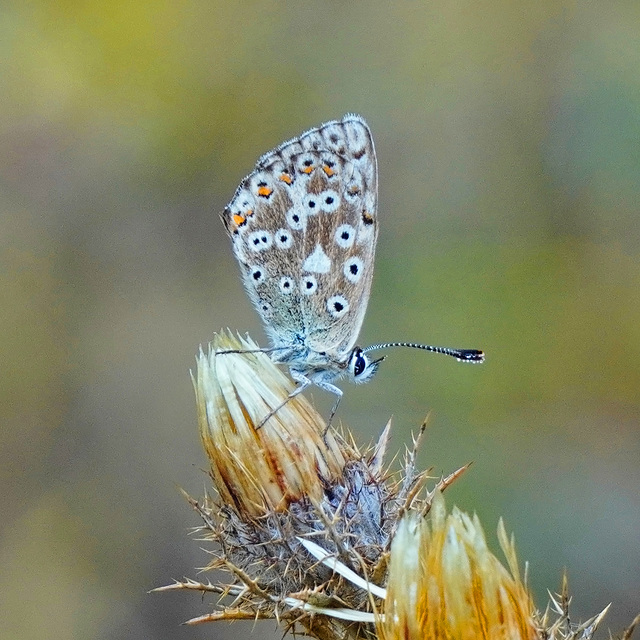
(508, 138)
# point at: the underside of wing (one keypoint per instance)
(304, 229)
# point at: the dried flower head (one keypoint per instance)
(265, 469)
(445, 583)
(308, 527)
(290, 498)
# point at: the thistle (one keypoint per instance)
(321, 537)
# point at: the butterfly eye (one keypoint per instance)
(359, 366)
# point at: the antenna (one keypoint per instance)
(462, 355)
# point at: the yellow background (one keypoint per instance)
(508, 144)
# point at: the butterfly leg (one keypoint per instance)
(325, 385)
(223, 352)
(338, 393)
(331, 388)
(303, 383)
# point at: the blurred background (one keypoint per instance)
(508, 144)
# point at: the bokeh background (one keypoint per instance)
(508, 137)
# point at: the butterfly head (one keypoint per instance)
(361, 367)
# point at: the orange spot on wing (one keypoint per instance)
(308, 170)
(328, 170)
(265, 192)
(285, 178)
(238, 219)
(248, 212)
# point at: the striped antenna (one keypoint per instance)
(462, 355)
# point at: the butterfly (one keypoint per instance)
(304, 226)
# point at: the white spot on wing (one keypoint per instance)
(311, 204)
(308, 285)
(337, 306)
(329, 200)
(286, 285)
(259, 240)
(317, 262)
(296, 220)
(345, 235)
(283, 239)
(258, 274)
(352, 269)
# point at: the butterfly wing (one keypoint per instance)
(267, 234)
(304, 229)
(341, 232)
